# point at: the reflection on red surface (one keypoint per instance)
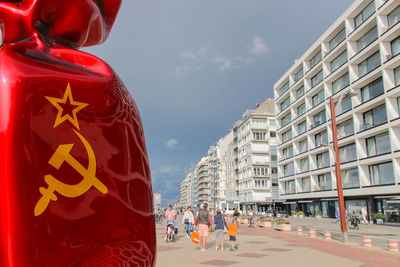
(88, 138)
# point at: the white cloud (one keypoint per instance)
(171, 144)
(258, 46)
(195, 55)
(224, 63)
(187, 67)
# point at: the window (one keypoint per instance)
(350, 178)
(301, 109)
(305, 185)
(302, 127)
(259, 136)
(287, 152)
(324, 182)
(284, 88)
(397, 76)
(303, 146)
(345, 128)
(341, 83)
(299, 92)
(339, 61)
(381, 173)
(316, 59)
(288, 169)
(290, 187)
(286, 120)
(337, 39)
(285, 104)
(304, 165)
(272, 134)
(367, 39)
(369, 64)
(395, 46)
(394, 17)
(318, 98)
(286, 136)
(373, 117)
(317, 78)
(272, 122)
(321, 138)
(298, 75)
(319, 118)
(379, 144)
(274, 158)
(322, 160)
(372, 90)
(364, 15)
(347, 153)
(344, 106)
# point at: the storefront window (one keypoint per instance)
(354, 207)
(392, 210)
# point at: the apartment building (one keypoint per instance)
(186, 191)
(202, 182)
(230, 168)
(256, 151)
(356, 62)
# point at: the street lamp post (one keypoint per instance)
(342, 213)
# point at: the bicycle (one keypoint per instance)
(251, 222)
(354, 223)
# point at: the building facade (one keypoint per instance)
(186, 191)
(256, 154)
(202, 182)
(356, 62)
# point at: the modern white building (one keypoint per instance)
(202, 182)
(186, 191)
(356, 61)
(256, 152)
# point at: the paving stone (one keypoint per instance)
(219, 262)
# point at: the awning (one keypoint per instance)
(306, 201)
(289, 203)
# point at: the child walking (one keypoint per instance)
(232, 231)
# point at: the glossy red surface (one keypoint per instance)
(66, 114)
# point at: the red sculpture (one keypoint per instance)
(75, 185)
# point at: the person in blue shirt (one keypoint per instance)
(219, 221)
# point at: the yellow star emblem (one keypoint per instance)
(58, 103)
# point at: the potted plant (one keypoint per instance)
(265, 223)
(294, 214)
(282, 225)
(300, 214)
(380, 218)
(318, 215)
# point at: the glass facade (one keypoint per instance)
(340, 37)
(347, 153)
(285, 103)
(301, 109)
(298, 75)
(372, 90)
(378, 144)
(284, 88)
(397, 76)
(303, 146)
(369, 64)
(321, 138)
(350, 178)
(290, 187)
(367, 39)
(319, 118)
(318, 98)
(341, 83)
(374, 117)
(288, 169)
(365, 14)
(324, 182)
(345, 128)
(344, 106)
(302, 127)
(316, 59)
(286, 136)
(394, 17)
(339, 61)
(381, 174)
(322, 160)
(304, 165)
(317, 79)
(395, 46)
(286, 120)
(305, 185)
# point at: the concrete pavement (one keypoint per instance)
(269, 247)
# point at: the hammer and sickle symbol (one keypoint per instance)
(61, 155)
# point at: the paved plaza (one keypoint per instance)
(269, 247)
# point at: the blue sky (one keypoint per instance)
(195, 66)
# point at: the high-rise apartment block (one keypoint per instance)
(356, 62)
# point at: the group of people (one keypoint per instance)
(200, 219)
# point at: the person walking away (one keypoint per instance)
(232, 232)
(337, 215)
(251, 217)
(203, 222)
(364, 214)
(236, 213)
(188, 220)
(220, 222)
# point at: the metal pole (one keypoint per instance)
(214, 193)
(342, 212)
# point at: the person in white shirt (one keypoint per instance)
(188, 220)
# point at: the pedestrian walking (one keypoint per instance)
(220, 222)
(364, 214)
(203, 222)
(188, 220)
(232, 232)
(236, 213)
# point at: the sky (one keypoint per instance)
(195, 66)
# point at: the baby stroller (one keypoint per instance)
(171, 230)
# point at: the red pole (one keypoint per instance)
(342, 212)
(214, 193)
